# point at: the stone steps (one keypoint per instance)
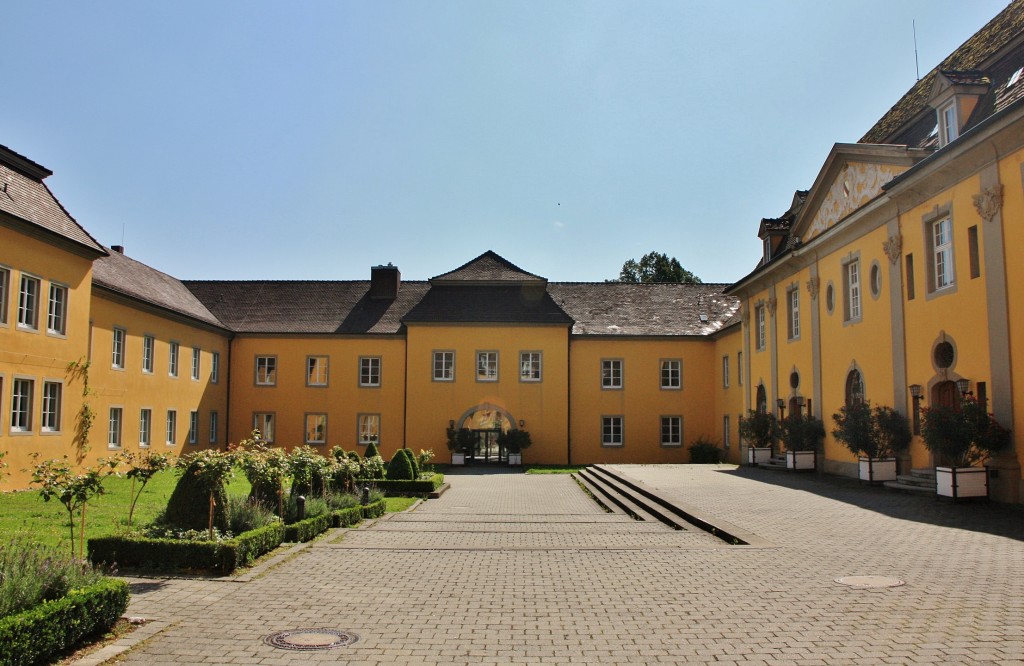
(609, 489)
(921, 481)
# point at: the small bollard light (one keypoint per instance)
(300, 505)
(366, 495)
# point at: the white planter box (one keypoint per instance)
(801, 459)
(515, 459)
(756, 456)
(959, 482)
(458, 458)
(876, 470)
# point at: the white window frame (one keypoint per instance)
(265, 422)
(793, 313)
(172, 358)
(370, 371)
(319, 422)
(852, 302)
(949, 123)
(214, 367)
(726, 431)
(5, 293)
(487, 368)
(214, 426)
(21, 404)
(29, 292)
(52, 403)
(171, 427)
(193, 427)
(368, 429)
(725, 371)
(672, 431)
(145, 427)
(115, 427)
(611, 374)
(148, 353)
(265, 371)
(942, 253)
(761, 341)
(670, 374)
(443, 365)
(531, 365)
(117, 347)
(317, 370)
(613, 431)
(197, 360)
(57, 310)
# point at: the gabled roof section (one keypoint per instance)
(970, 77)
(140, 282)
(503, 302)
(1002, 32)
(24, 196)
(488, 268)
(305, 306)
(645, 309)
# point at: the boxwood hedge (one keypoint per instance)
(417, 487)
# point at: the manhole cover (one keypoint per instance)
(868, 582)
(310, 639)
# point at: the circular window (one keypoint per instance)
(876, 279)
(794, 380)
(830, 298)
(944, 355)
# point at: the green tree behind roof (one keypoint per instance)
(656, 267)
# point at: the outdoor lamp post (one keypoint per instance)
(963, 385)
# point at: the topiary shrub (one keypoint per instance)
(400, 466)
(371, 450)
(416, 471)
(189, 504)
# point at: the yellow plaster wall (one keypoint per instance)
(760, 360)
(642, 402)
(1011, 174)
(795, 354)
(543, 406)
(729, 399)
(37, 354)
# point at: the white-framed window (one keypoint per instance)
(5, 290)
(739, 368)
(172, 359)
(726, 431)
(193, 427)
(671, 430)
(444, 366)
(611, 373)
(22, 392)
(530, 366)
(369, 428)
(369, 370)
(52, 398)
(487, 366)
(215, 367)
(264, 422)
(28, 303)
(214, 426)
(266, 371)
(145, 427)
(949, 127)
(114, 428)
(851, 289)
(725, 372)
(57, 310)
(172, 427)
(671, 373)
(793, 313)
(148, 352)
(316, 370)
(942, 253)
(196, 359)
(117, 349)
(762, 331)
(611, 431)
(316, 428)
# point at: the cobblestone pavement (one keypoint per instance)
(511, 568)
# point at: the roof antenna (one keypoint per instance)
(122, 234)
(917, 67)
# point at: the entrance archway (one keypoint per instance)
(487, 421)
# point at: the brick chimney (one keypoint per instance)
(384, 282)
(117, 248)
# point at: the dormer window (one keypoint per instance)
(767, 250)
(949, 127)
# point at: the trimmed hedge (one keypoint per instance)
(417, 487)
(225, 556)
(36, 635)
(374, 509)
(304, 530)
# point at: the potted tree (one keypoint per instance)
(802, 437)
(458, 456)
(960, 437)
(514, 442)
(761, 431)
(874, 435)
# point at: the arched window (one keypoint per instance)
(854, 388)
(762, 399)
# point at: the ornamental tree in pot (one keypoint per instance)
(802, 437)
(460, 442)
(761, 431)
(875, 436)
(960, 437)
(514, 442)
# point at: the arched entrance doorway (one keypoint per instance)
(487, 422)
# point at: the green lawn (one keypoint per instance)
(554, 469)
(397, 504)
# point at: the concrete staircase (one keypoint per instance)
(918, 481)
(777, 461)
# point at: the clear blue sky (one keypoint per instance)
(311, 140)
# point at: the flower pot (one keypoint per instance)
(961, 482)
(877, 470)
(801, 459)
(458, 458)
(757, 455)
(515, 459)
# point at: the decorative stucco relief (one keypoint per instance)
(989, 202)
(812, 287)
(856, 184)
(771, 303)
(893, 248)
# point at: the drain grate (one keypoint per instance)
(311, 639)
(869, 582)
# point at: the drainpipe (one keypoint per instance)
(568, 400)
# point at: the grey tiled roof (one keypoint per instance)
(124, 275)
(488, 267)
(620, 308)
(488, 304)
(24, 195)
(303, 306)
